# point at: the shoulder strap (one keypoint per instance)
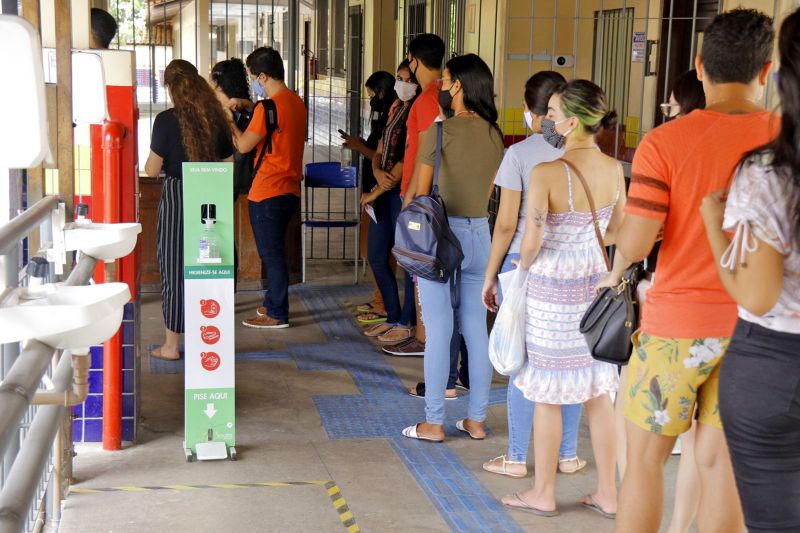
(267, 140)
(589, 197)
(438, 162)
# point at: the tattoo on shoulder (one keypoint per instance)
(539, 217)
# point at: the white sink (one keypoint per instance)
(105, 242)
(66, 317)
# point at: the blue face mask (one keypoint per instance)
(258, 90)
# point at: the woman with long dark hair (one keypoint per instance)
(472, 147)
(513, 180)
(565, 264)
(380, 90)
(195, 129)
(384, 197)
(759, 384)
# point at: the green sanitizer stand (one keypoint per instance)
(209, 345)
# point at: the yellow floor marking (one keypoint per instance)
(340, 505)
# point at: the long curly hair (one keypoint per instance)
(200, 115)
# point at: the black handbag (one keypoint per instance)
(613, 316)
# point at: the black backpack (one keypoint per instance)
(246, 165)
(424, 244)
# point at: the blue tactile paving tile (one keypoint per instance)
(383, 408)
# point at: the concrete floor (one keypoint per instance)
(321, 410)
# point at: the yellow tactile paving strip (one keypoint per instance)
(334, 492)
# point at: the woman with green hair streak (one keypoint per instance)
(566, 266)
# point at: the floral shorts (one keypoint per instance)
(667, 377)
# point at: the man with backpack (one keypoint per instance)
(278, 133)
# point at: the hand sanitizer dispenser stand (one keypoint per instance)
(210, 431)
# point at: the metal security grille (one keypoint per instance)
(633, 49)
(413, 21)
(448, 20)
(613, 37)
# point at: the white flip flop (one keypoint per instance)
(411, 433)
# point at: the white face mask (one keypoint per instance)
(528, 119)
(405, 90)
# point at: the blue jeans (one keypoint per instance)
(520, 414)
(269, 219)
(379, 250)
(437, 313)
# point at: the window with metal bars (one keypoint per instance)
(613, 38)
(413, 21)
(449, 17)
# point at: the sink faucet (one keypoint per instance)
(82, 214)
(37, 271)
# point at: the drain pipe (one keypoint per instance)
(80, 385)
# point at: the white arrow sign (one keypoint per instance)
(210, 411)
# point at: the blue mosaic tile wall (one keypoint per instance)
(87, 425)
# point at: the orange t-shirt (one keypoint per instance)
(423, 112)
(675, 167)
(281, 171)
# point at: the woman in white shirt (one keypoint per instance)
(759, 387)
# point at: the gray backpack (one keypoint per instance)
(424, 244)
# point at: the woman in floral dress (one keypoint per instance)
(566, 266)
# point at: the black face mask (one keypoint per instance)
(446, 102)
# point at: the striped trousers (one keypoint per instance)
(169, 248)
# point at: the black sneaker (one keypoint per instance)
(408, 348)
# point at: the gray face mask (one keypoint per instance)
(553, 138)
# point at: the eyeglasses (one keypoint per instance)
(440, 82)
(669, 110)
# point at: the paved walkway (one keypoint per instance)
(319, 414)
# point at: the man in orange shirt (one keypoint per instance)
(688, 316)
(275, 194)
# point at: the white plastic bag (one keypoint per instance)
(507, 340)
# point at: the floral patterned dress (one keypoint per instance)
(561, 281)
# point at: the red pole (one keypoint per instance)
(112, 136)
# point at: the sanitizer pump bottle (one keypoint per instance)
(209, 243)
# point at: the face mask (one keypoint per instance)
(553, 138)
(258, 90)
(528, 119)
(405, 90)
(414, 72)
(446, 102)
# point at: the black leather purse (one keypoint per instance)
(613, 316)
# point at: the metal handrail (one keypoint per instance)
(21, 484)
(18, 228)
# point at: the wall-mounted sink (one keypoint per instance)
(69, 317)
(106, 242)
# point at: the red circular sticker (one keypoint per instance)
(209, 334)
(210, 361)
(209, 308)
